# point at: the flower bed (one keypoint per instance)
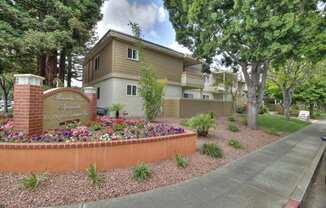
(104, 129)
(108, 143)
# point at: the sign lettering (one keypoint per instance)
(64, 106)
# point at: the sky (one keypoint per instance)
(151, 15)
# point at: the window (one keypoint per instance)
(133, 54)
(188, 95)
(131, 90)
(98, 91)
(206, 97)
(97, 63)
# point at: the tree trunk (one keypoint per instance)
(5, 102)
(255, 77)
(287, 101)
(5, 93)
(69, 71)
(311, 109)
(62, 65)
(42, 65)
(252, 109)
(51, 66)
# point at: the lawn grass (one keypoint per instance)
(278, 125)
(320, 115)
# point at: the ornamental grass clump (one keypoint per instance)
(202, 123)
(93, 176)
(32, 181)
(212, 150)
(181, 161)
(235, 143)
(232, 127)
(141, 172)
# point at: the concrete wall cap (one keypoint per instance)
(29, 75)
(89, 90)
(28, 79)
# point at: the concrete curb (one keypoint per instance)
(299, 192)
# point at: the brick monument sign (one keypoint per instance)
(36, 110)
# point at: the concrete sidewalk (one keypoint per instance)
(266, 178)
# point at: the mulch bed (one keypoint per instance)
(68, 188)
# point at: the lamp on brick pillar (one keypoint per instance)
(28, 104)
(90, 92)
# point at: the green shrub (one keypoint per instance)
(202, 123)
(212, 150)
(32, 181)
(93, 176)
(181, 161)
(231, 118)
(118, 127)
(141, 172)
(232, 127)
(263, 109)
(71, 125)
(95, 127)
(152, 91)
(243, 120)
(235, 143)
(117, 107)
(241, 109)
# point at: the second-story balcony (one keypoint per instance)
(192, 79)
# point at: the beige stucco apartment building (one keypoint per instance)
(113, 66)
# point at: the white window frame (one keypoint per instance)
(132, 86)
(132, 54)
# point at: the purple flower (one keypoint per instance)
(67, 133)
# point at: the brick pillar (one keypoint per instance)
(28, 104)
(90, 92)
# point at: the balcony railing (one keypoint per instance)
(192, 79)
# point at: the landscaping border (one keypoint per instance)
(77, 156)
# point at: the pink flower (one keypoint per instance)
(9, 125)
(80, 131)
(105, 119)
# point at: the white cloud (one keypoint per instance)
(153, 33)
(180, 48)
(118, 13)
(162, 14)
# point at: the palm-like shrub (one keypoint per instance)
(117, 107)
(202, 123)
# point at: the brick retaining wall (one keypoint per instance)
(77, 156)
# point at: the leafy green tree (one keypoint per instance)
(249, 34)
(287, 77)
(152, 91)
(313, 91)
(151, 88)
(44, 29)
